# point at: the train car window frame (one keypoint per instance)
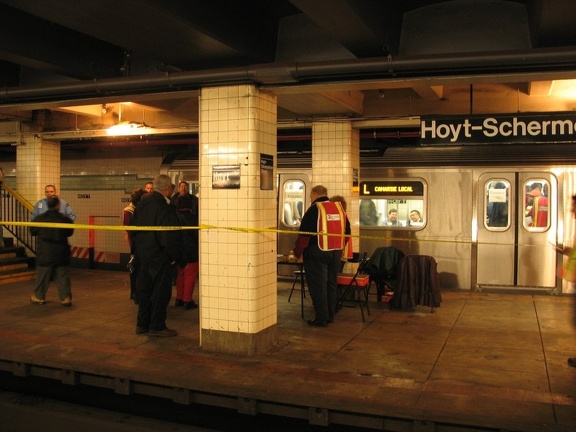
(536, 210)
(390, 203)
(497, 204)
(293, 199)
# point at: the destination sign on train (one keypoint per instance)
(499, 128)
(391, 188)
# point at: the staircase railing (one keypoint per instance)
(15, 208)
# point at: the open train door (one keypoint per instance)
(293, 200)
(517, 224)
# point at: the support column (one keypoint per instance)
(37, 164)
(336, 165)
(238, 282)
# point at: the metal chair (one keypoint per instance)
(356, 286)
(299, 275)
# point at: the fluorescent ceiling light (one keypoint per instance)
(128, 128)
(565, 89)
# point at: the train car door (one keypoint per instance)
(293, 200)
(517, 227)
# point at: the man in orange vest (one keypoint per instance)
(324, 228)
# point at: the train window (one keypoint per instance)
(536, 202)
(294, 192)
(393, 203)
(392, 212)
(497, 210)
(194, 187)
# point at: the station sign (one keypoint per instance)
(391, 188)
(498, 128)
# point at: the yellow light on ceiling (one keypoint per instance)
(564, 89)
(128, 128)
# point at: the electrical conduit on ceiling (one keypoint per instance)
(527, 61)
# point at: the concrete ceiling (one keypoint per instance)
(377, 62)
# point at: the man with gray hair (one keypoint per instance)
(157, 252)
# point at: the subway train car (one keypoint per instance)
(494, 216)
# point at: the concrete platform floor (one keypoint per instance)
(481, 362)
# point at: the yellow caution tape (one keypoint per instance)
(245, 230)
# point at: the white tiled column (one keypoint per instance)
(37, 164)
(336, 165)
(238, 282)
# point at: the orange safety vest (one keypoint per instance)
(540, 212)
(331, 226)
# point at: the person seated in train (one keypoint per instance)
(368, 213)
(393, 218)
(415, 218)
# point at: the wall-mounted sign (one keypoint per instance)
(498, 128)
(266, 172)
(226, 177)
(391, 188)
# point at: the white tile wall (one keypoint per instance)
(37, 164)
(335, 156)
(237, 268)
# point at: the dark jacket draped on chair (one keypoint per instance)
(418, 283)
(383, 267)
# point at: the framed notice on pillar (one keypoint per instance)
(266, 172)
(226, 177)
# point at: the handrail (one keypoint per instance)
(14, 207)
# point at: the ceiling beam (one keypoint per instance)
(43, 45)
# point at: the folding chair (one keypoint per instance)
(357, 284)
(299, 275)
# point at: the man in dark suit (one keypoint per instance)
(157, 252)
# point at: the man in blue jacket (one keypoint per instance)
(42, 205)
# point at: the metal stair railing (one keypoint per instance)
(15, 208)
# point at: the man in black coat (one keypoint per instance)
(52, 254)
(156, 253)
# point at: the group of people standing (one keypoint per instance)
(324, 234)
(157, 254)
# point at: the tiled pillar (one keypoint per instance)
(238, 282)
(336, 165)
(37, 164)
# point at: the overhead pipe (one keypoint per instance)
(192, 139)
(527, 61)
